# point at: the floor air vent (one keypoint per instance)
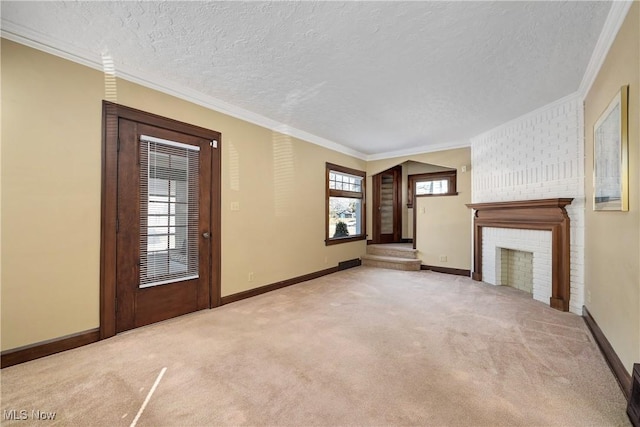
(349, 264)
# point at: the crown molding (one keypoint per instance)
(22, 35)
(42, 42)
(420, 150)
(612, 24)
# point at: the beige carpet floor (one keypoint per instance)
(364, 346)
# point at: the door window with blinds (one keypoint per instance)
(345, 204)
(168, 211)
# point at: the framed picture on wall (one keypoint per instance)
(611, 156)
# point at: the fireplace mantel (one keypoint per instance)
(542, 214)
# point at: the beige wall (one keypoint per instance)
(453, 159)
(412, 168)
(612, 239)
(443, 228)
(50, 196)
(51, 171)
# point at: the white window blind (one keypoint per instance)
(169, 231)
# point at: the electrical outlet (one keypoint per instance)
(251, 277)
(443, 258)
(235, 206)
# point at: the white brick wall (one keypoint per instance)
(538, 156)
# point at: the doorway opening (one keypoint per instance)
(387, 206)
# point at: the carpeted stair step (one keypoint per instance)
(392, 251)
(395, 263)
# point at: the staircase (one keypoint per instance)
(396, 256)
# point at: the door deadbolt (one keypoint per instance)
(206, 235)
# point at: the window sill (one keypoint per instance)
(338, 240)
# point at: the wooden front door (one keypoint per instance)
(165, 231)
(387, 208)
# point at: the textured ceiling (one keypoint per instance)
(377, 77)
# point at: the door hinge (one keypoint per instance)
(116, 305)
(214, 144)
(117, 225)
(118, 145)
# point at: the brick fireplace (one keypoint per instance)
(537, 226)
(535, 242)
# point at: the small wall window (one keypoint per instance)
(345, 206)
(431, 184)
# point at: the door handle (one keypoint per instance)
(206, 235)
